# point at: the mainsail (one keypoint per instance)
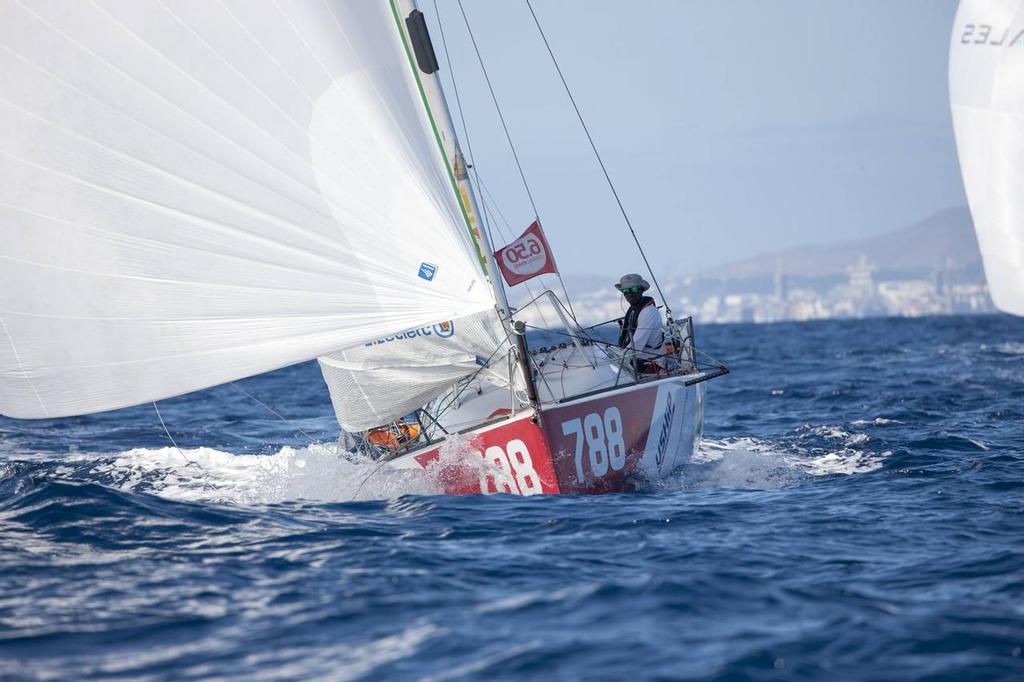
(191, 193)
(986, 86)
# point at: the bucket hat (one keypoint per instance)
(632, 280)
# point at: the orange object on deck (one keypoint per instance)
(393, 435)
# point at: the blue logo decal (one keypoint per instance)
(427, 271)
(445, 329)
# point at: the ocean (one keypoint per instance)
(856, 512)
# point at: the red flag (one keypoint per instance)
(526, 257)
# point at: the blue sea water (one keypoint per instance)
(856, 512)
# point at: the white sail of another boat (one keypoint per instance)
(986, 84)
(195, 193)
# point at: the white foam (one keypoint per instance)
(754, 463)
(739, 463)
(316, 473)
(319, 473)
(1009, 347)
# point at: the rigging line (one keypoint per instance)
(368, 476)
(501, 117)
(494, 202)
(458, 107)
(423, 410)
(169, 436)
(486, 193)
(272, 411)
(716, 362)
(469, 149)
(572, 311)
(529, 289)
(508, 233)
(597, 154)
(468, 379)
(515, 156)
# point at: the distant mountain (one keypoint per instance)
(945, 238)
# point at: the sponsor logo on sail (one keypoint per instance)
(442, 330)
(992, 36)
(427, 271)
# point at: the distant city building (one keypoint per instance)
(866, 292)
(781, 285)
(862, 281)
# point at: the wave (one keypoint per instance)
(323, 474)
(316, 473)
(764, 464)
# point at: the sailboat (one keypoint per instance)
(193, 194)
(986, 89)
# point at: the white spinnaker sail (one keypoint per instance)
(986, 85)
(195, 192)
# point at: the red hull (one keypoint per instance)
(610, 442)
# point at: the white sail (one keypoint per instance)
(385, 379)
(195, 192)
(381, 381)
(986, 86)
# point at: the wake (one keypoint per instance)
(314, 473)
(320, 473)
(763, 464)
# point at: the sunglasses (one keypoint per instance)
(632, 290)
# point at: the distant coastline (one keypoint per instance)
(931, 267)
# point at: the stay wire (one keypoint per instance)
(487, 217)
(462, 117)
(170, 437)
(272, 411)
(497, 107)
(441, 411)
(506, 233)
(442, 408)
(508, 136)
(368, 477)
(600, 161)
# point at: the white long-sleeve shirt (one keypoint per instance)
(648, 336)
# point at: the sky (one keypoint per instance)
(730, 127)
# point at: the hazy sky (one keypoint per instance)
(731, 127)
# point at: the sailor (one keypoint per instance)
(641, 327)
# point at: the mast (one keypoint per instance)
(425, 66)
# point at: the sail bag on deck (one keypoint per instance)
(191, 193)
